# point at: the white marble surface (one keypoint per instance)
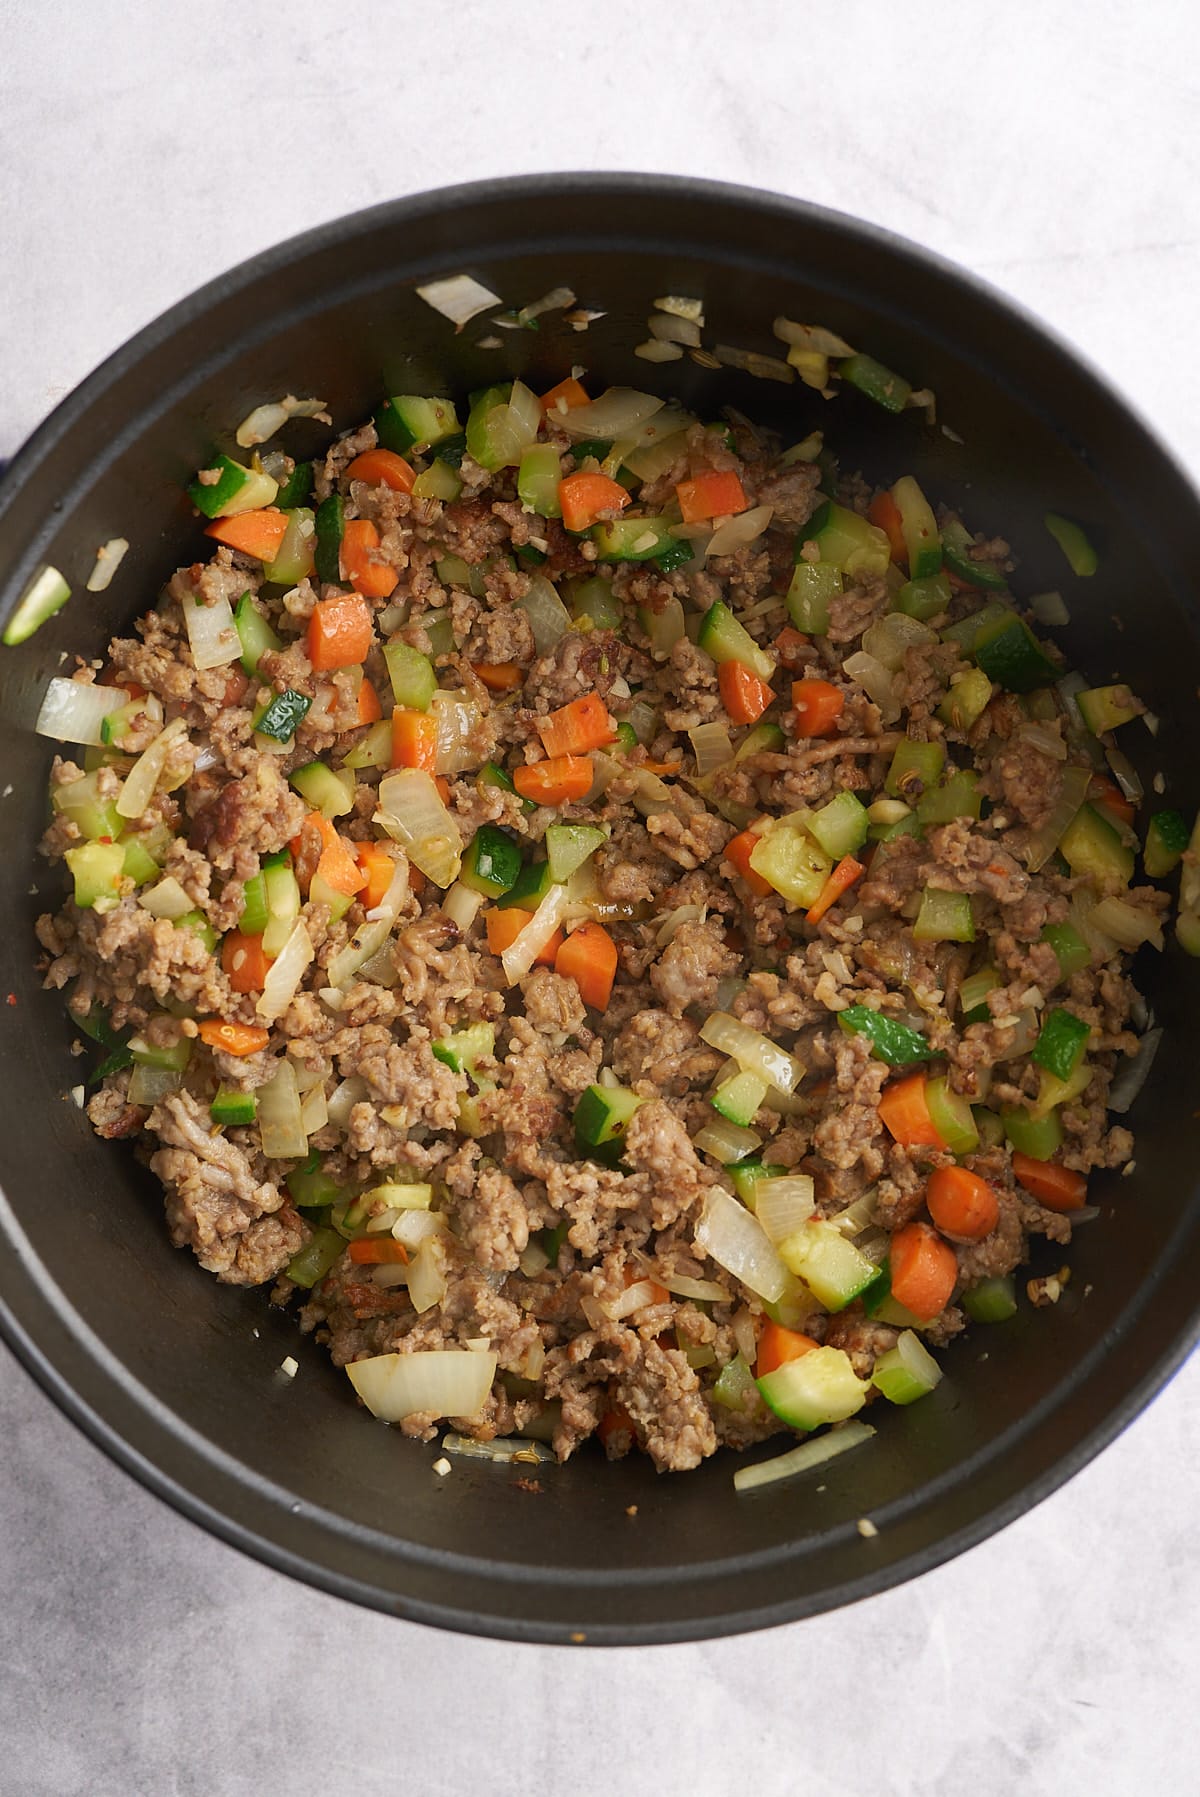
(143, 149)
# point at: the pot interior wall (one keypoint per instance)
(180, 1375)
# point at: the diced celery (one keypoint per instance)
(594, 599)
(438, 481)
(849, 541)
(1074, 544)
(412, 676)
(872, 378)
(92, 816)
(316, 1257)
(538, 478)
(1038, 1137)
(739, 1099)
(735, 1388)
(966, 701)
(951, 1116)
(840, 826)
(906, 1372)
(140, 864)
(820, 1387)
(959, 796)
(255, 912)
(722, 637)
(989, 1125)
(324, 790)
(925, 598)
(813, 585)
(1072, 951)
(293, 560)
(1092, 847)
(97, 869)
(944, 917)
(917, 521)
(993, 1300)
(916, 766)
(634, 539)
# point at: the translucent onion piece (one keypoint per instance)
(462, 905)
(1073, 791)
(736, 1240)
(1128, 925)
(745, 528)
(534, 1260)
(142, 780)
(412, 813)
(260, 425)
(803, 1458)
(525, 948)
(555, 301)
(548, 617)
(413, 1228)
(805, 451)
(457, 721)
(427, 1277)
(727, 1142)
(439, 1381)
(639, 1296)
(285, 974)
(752, 1050)
(656, 457)
(701, 1291)
(619, 412)
(675, 330)
(280, 1122)
(890, 639)
(678, 305)
(314, 1110)
(167, 899)
(108, 559)
(343, 1099)
(1126, 775)
(504, 1450)
(148, 1084)
(72, 711)
(782, 1205)
(664, 628)
(766, 368)
(652, 793)
(876, 682)
(212, 633)
(459, 298)
(711, 747)
(1132, 1077)
(655, 351)
(812, 337)
(1046, 739)
(1050, 608)
(671, 922)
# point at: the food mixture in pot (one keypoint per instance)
(623, 924)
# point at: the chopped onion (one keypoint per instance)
(745, 527)
(412, 813)
(1133, 1076)
(671, 922)
(679, 306)
(343, 1099)
(727, 1142)
(314, 1110)
(1128, 925)
(1045, 738)
(700, 1291)
(807, 450)
(765, 368)
(148, 1084)
(437, 1381)
(533, 1260)
(782, 1205)
(548, 617)
(803, 1458)
(73, 710)
(639, 1296)
(711, 747)
(427, 1277)
(619, 412)
(366, 941)
(857, 1216)
(108, 559)
(462, 905)
(664, 628)
(280, 1123)
(556, 300)
(655, 351)
(460, 298)
(890, 639)
(1125, 775)
(752, 1051)
(654, 458)
(142, 780)
(743, 1334)
(1073, 790)
(1050, 608)
(212, 633)
(651, 793)
(167, 899)
(813, 337)
(413, 1228)
(260, 425)
(504, 1449)
(875, 681)
(734, 1238)
(525, 948)
(285, 974)
(667, 329)
(457, 722)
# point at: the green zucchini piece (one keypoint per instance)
(1166, 839)
(724, 639)
(879, 383)
(492, 862)
(1071, 539)
(327, 555)
(892, 1041)
(1093, 847)
(46, 594)
(324, 790)
(813, 585)
(819, 1387)
(1010, 654)
(1061, 1044)
(254, 633)
(921, 539)
(603, 1115)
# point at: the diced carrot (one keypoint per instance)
(716, 493)
(615, 1422)
(369, 709)
(589, 957)
(379, 868)
(499, 676)
(414, 739)
(233, 1038)
(559, 781)
(377, 1251)
(659, 767)
(503, 928)
(583, 498)
(962, 1204)
(1106, 792)
(743, 694)
(818, 705)
(777, 1345)
(840, 880)
(383, 468)
(903, 1108)
(566, 396)
(443, 788)
(245, 964)
(739, 852)
(575, 728)
(789, 645)
(373, 579)
(336, 865)
(254, 533)
(884, 512)
(1058, 1188)
(924, 1270)
(339, 632)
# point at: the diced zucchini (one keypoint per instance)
(883, 385)
(465, 1048)
(891, 1040)
(594, 599)
(951, 1116)
(255, 911)
(1107, 707)
(326, 792)
(789, 860)
(294, 559)
(747, 1174)
(993, 1300)
(603, 1114)
(283, 900)
(633, 539)
(925, 598)
(406, 420)
(529, 888)
(1011, 656)
(848, 541)
(1038, 1137)
(722, 637)
(438, 481)
(537, 480)
(331, 524)
(314, 1260)
(740, 1098)
(1072, 951)
(1166, 839)
(817, 1388)
(830, 1265)
(97, 869)
(840, 826)
(959, 796)
(735, 1388)
(283, 715)
(297, 489)
(492, 862)
(198, 925)
(1061, 1044)
(972, 995)
(92, 816)
(254, 633)
(1074, 544)
(921, 539)
(813, 585)
(46, 594)
(568, 846)
(906, 1372)
(237, 489)
(764, 739)
(1091, 846)
(140, 864)
(966, 701)
(944, 917)
(915, 768)
(957, 543)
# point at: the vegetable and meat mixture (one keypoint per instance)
(627, 925)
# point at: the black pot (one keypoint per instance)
(178, 1376)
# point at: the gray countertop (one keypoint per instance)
(143, 150)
